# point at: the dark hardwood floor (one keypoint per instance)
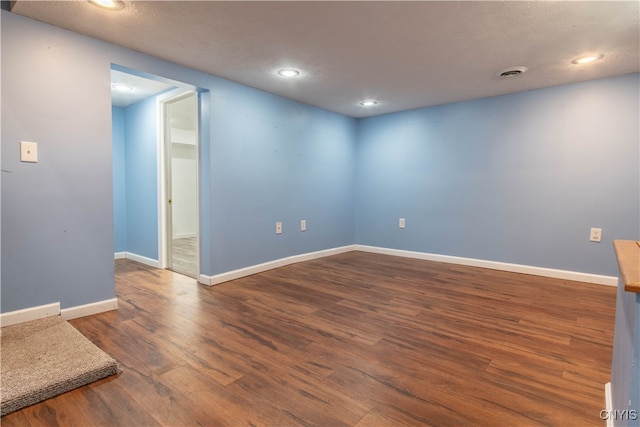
(356, 339)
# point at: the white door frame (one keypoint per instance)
(164, 168)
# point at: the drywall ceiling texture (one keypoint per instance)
(405, 54)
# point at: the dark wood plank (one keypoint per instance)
(355, 339)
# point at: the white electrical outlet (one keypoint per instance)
(401, 223)
(278, 227)
(303, 225)
(595, 235)
(28, 152)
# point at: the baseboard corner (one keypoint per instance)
(270, 265)
(143, 259)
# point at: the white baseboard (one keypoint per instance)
(31, 313)
(89, 309)
(259, 268)
(53, 309)
(142, 259)
(119, 255)
(608, 403)
(495, 265)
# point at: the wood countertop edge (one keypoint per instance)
(628, 255)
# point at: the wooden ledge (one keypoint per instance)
(628, 254)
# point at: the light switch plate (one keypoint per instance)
(28, 152)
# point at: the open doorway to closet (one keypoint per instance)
(180, 115)
(156, 134)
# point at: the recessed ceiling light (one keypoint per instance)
(369, 103)
(511, 72)
(587, 59)
(121, 87)
(108, 4)
(289, 72)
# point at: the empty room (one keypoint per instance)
(320, 213)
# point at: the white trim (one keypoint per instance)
(119, 255)
(162, 191)
(89, 309)
(163, 235)
(495, 265)
(161, 186)
(259, 268)
(143, 259)
(31, 313)
(608, 403)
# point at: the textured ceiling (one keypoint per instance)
(404, 54)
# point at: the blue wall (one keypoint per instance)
(57, 214)
(283, 161)
(263, 159)
(141, 160)
(518, 178)
(119, 180)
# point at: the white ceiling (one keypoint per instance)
(404, 54)
(127, 88)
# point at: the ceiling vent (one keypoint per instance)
(511, 72)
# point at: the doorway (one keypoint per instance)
(180, 140)
(156, 130)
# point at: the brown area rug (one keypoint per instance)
(46, 357)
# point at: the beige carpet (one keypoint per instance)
(44, 358)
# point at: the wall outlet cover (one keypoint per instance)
(28, 152)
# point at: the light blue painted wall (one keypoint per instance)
(58, 217)
(141, 160)
(518, 178)
(277, 160)
(57, 214)
(119, 180)
(509, 178)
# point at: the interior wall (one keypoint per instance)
(119, 180)
(518, 178)
(141, 160)
(57, 214)
(277, 160)
(135, 178)
(263, 159)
